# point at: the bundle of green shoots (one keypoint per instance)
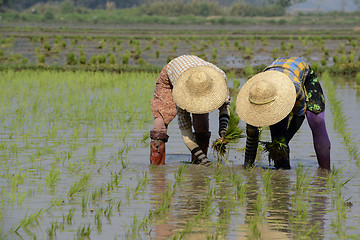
(233, 133)
(276, 149)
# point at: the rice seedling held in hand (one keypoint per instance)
(277, 150)
(233, 133)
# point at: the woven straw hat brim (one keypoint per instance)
(204, 101)
(272, 112)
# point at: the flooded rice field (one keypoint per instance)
(74, 145)
(233, 46)
(75, 165)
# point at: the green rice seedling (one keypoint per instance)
(75, 166)
(323, 61)
(101, 59)
(141, 183)
(84, 201)
(283, 47)
(214, 54)
(309, 51)
(335, 59)
(357, 78)
(249, 71)
(165, 201)
(351, 58)
(118, 205)
(141, 61)
(27, 220)
(326, 52)
(302, 180)
(93, 60)
(70, 215)
(108, 211)
(21, 197)
(47, 46)
(82, 59)
(233, 133)
(341, 47)
(125, 58)
(97, 219)
(79, 185)
(304, 41)
(343, 59)
(41, 59)
(71, 59)
(51, 231)
(275, 53)
(267, 178)
(128, 193)
(276, 149)
(290, 45)
(92, 154)
(112, 59)
(248, 52)
(53, 176)
(83, 231)
(240, 188)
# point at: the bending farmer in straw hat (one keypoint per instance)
(188, 84)
(286, 85)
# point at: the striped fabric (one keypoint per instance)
(297, 70)
(179, 65)
(252, 142)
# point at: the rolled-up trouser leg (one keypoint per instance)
(278, 131)
(320, 137)
(252, 142)
(157, 148)
(158, 138)
(202, 139)
(202, 134)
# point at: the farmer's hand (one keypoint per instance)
(222, 136)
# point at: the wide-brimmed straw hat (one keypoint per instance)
(200, 90)
(266, 98)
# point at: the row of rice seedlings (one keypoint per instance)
(133, 50)
(340, 119)
(53, 176)
(93, 108)
(339, 203)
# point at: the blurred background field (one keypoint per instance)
(76, 78)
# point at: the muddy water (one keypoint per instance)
(279, 215)
(276, 209)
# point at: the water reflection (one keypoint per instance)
(288, 213)
(200, 206)
(319, 203)
(164, 227)
(279, 204)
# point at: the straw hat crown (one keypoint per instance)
(266, 98)
(262, 93)
(200, 89)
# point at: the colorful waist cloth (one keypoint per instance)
(314, 92)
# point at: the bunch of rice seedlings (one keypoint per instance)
(233, 133)
(276, 149)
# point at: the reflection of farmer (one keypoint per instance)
(188, 84)
(267, 99)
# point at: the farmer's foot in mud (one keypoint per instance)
(282, 164)
(203, 162)
(248, 165)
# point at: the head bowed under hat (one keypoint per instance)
(266, 98)
(200, 90)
